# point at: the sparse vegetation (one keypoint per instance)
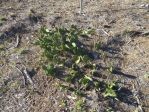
(63, 50)
(80, 106)
(62, 46)
(110, 92)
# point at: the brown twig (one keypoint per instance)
(27, 76)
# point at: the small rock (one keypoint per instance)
(142, 5)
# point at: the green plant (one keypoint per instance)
(110, 92)
(63, 51)
(62, 45)
(80, 105)
(49, 70)
(72, 75)
(85, 81)
(60, 42)
(97, 46)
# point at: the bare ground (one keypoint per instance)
(121, 25)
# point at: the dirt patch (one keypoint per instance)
(136, 63)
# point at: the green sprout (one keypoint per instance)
(50, 70)
(110, 92)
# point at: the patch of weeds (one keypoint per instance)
(56, 43)
(61, 45)
(49, 70)
(85, 80)
(98, 46)
(80, 105)
(72, 75)
(110, 90)
(63, 51)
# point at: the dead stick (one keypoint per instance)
(17, 43)
(27, 76)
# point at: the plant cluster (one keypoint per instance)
(62, 49)
(65, 53)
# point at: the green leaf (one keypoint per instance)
(89, 78)
(49, 70)
(97, 46)
(110, 92)
(111, 69)
(85, 80)
(74, 44)
(47, 30)
(78, 60)
(67, 46)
